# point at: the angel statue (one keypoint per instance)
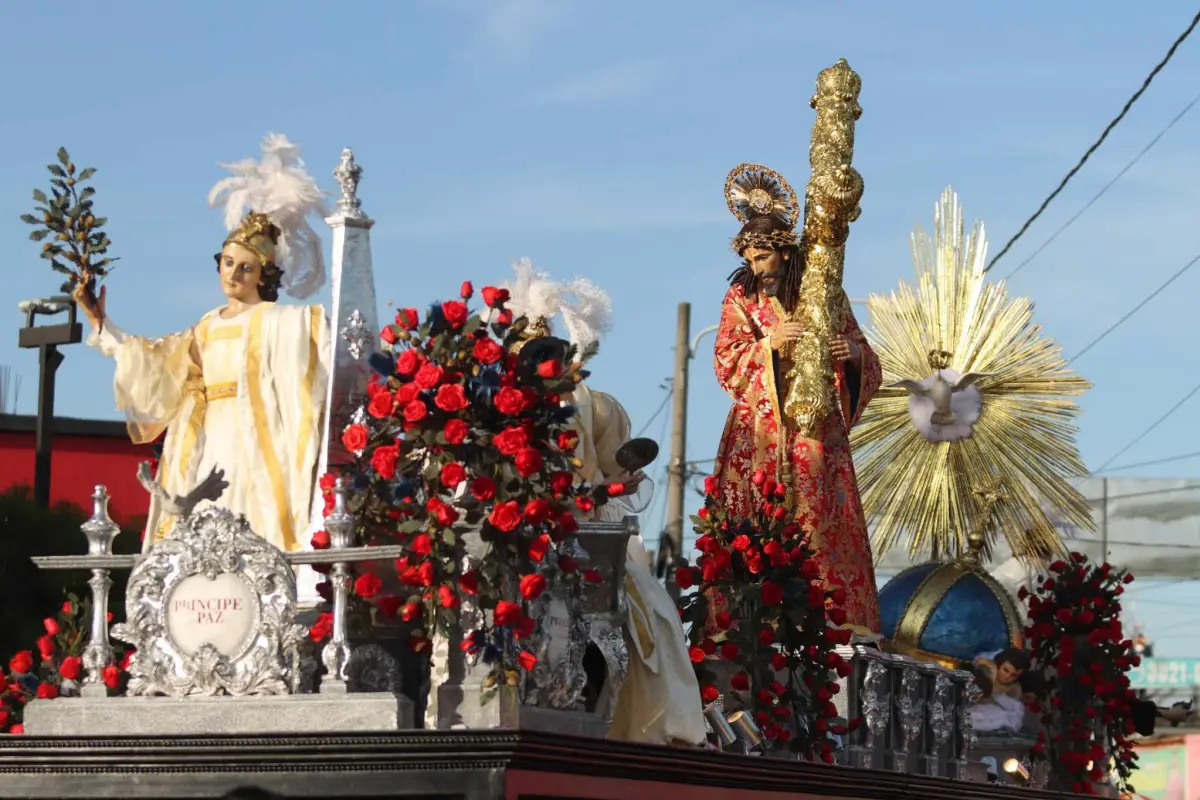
(659, 702)
(241, 391)
(752, 350)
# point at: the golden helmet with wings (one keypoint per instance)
(974, 396)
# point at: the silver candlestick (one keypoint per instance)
(100, 531)
(336, 654)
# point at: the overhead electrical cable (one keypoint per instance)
(1096, 145)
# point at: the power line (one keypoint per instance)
(654, 416)
(1151, 463)
(1096, 145)
(1107, 186)
(1135, 309)
(1153, 425)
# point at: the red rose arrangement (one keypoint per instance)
(761, 607)
(1075, 639)
(54, 667)
(465, 432)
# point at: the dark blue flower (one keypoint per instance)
(383, 363)
(402, 489)
(436, 319)
(563, 414)
(361, 481)
(483, 386)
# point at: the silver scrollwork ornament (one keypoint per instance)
(212, 542)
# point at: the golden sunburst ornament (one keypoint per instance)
(973, 396)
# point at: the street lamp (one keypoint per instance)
(47, 339)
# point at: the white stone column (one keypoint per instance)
(354, 330)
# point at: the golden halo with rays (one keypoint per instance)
(752, 190)
(925, 493)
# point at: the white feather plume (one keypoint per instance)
(586, 309)
(279, 187)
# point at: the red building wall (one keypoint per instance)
(85, 453)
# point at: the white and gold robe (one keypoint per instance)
(244, 394)
(659, 703)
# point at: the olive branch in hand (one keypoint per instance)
(76, 246)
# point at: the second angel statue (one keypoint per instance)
(242, 389)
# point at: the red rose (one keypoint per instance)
(506, 516)
(45, 646)
(320, 540)
(778, 662)
(592, 576)
(47, 691)
(772, 593)
(1128, 578)
(493, 297)
(367, 586)
(409, 612)
(111, 676)
(446, 597)
(585, 504)
(509, 401)
(70, 668)
(567, 523)
(548, 369)
(528, 461)
(723, 620)
(425, 574)
(511, 441)
(685, 578)
(468, 582)
(567, 564)
(381, 405)
(710, 484)
(408, 362)
(758, 478)
(483, 488)
(539, 547)
(455, 313)
(406, 394)
(739, 682)
(487, 351)
(466, 290)
(810, 568)
(389, 605)
(69, 608)
(561, 482)
(526, 660)
(616, 489)
(384, 459)
(446, 515)
(388, 334)
(696, 655)
(354, 438)
(51, 626)
(455, 431)
(415, 411)
(1064, 615)
(729, 651)
(506, 613)
(537, 510)
(709, 693)
(568, 441)
(741, 543)
(766, 637)
(321, 628)
(429, 376)
(532, 585)
(422, 544)
(453, 474)
(451, 397)
(408, 318)
(504, 318)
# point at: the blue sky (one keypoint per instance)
(595, 137)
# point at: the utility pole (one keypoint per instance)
(677, 469)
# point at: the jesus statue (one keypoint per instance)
(756, 326)
(240, 391)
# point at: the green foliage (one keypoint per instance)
(27, 594)
(72, 237)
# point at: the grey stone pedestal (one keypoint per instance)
(463, 706)
(148, 716)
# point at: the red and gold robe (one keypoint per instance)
(826, 500)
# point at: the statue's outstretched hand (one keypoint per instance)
(93, 306)
(628, 483)
(842, 349)
(211, 488)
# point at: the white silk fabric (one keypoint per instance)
(243, 394)
(659, 703)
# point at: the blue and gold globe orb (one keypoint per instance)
(948, 613)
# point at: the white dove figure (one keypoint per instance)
(945, 406)
(211, 488)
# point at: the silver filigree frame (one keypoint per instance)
(211, 542)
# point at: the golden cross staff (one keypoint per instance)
(989, 497)
(830, 205)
